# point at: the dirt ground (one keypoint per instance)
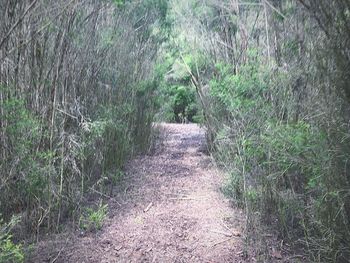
(168, 208)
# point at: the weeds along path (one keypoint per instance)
(170, 210)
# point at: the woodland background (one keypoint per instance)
(82, 81)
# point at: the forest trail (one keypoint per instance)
(168, 208)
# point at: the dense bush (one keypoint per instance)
(77, 99)
(281, 167)
(9, 252)
(179, 105)
(80, 82)
(274, 91)
(178, 98)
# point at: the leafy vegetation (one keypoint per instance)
(271, 103)
(82, 82)
(177, 97)
(9, 252)
(92, 219)
(77, 100)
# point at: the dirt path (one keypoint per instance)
(187, 218)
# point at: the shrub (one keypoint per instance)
(9, 252)
(24, 166)
(180, 103)
(92, 219)
(280, 166)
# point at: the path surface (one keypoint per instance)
(187, 218)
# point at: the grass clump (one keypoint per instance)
(92, 219)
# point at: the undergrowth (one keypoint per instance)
(92, 218)
(283, 169)
(9, 251)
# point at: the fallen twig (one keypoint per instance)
(185, 198)
(223, 241)
(148, 207)
(154, 258)
(223, 233)
(126, 189)
(234, 233)
(104, 195)
(59, 253)
(296, 256)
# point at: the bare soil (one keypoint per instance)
(168, 208)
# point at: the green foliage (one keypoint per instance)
(234, 188)
(74, 106)
(107, 140)
(178, 98)
(182, 98)
(119, 3)
(108, 37)
(92, 219)
(58, 142)
(279, 166)
(180, 103)
(277, 103)
(9, 252)
(282, 156)
(24, 176)
(22, 128)
(116, 176)
(240, 91)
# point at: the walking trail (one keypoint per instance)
(168, 208)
